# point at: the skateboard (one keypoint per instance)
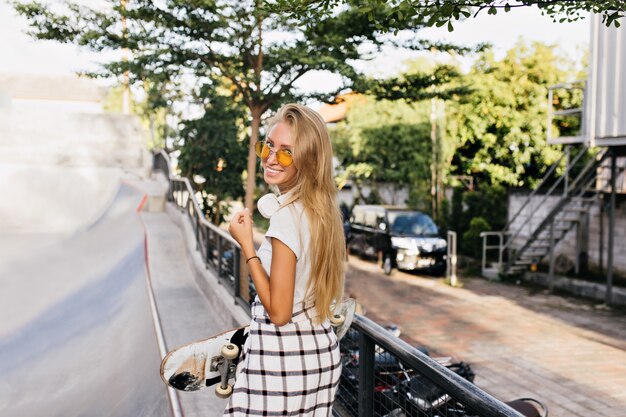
(213, 361)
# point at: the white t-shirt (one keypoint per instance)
(289, 225)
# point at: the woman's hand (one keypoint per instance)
(240, 229)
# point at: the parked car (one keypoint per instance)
(399, 237)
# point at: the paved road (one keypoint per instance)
(521, 342)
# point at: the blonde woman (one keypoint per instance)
(290, 365)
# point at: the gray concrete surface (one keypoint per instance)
(56, 137)
(76, 330)
(54, 199)
(186, 314)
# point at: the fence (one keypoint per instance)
(381, 374)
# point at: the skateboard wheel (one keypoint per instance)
(223, 392)
(337, 320)
(230, 351)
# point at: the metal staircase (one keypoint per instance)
(567, 201)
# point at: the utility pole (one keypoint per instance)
(434, 157)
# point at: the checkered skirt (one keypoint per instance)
(291, 370)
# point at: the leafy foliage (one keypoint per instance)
(472, 242)
(500, 128)
(385, 143)
(445, 12)
(442, 82)
(212, 148)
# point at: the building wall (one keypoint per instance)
(65, 106)
(387, 193)
(606, 98)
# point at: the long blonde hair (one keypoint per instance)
(315, 188)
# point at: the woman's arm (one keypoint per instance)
(277, 291)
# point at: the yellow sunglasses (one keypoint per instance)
(264, 150)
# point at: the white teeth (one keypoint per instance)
(272, 171)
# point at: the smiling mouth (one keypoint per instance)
(272, 171)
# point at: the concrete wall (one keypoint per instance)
(71, 139)
(535, 212)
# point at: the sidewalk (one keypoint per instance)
(520, 342)
(185, 313)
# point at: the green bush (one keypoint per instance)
(472, 242)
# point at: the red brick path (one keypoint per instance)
(520, 342)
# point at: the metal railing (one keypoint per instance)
(578, 187)
(383, 375)
(578, 112)
(506, 246)
(447, 394)
(493, 247)
(561, 180)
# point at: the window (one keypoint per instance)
(412, 223)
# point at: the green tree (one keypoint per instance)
(472, 242)
(213, 151)
(262, 53)
(500, 128)
(445, 12)
(387, 143)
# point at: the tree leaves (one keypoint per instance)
(501, 125)
(442, 12)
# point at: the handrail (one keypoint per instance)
(218, 249)
(162, 163)
(548, 194)
(535, 191)
(461, 390)
(587, 173)
(201, 216)
(578, 84)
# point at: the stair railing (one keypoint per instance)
(513, 235)
(587, 174)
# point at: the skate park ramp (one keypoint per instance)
(76, 331)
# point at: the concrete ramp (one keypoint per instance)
(52, 199)
(76, 331)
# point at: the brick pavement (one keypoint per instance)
(521, 342)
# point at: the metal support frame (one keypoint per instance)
(451, 258)
(609, 266)
(366, 376)
(373, 336)
(500, 247)
(551, 271)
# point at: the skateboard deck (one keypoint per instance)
(212, 361)
(189, 367)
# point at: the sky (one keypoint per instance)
(20, 54)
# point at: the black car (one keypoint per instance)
(401, 238)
